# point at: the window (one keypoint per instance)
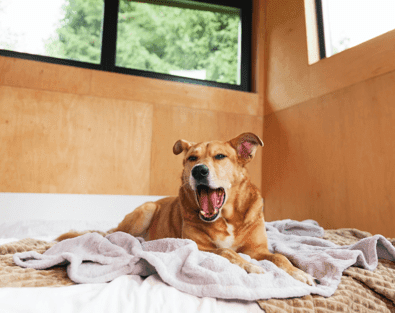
(345, 24)
(56, 28)
(188, 41)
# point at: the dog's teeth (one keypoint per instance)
(202, 212)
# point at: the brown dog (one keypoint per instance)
(217, 207)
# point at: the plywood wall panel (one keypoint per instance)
(169, 93)
(258, 53)
(292, 80)
(370, 166)
(367, 60)
(44, 76)
(288, 81)
(69, 79)
(64, 143)
(173, 123)
(70, 130)
(332, 159)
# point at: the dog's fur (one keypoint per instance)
(217, 207)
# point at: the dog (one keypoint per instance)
(218, 206)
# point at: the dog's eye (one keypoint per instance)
(220, 156)
(192, 158)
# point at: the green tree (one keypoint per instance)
(153, 37)
(79, 37)
(140, 38)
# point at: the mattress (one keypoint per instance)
(31, 222)
(51, 290)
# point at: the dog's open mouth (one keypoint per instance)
(210, 201)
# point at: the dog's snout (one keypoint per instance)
(200, 171)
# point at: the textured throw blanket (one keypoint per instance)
(92, 258)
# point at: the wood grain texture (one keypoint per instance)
(44, 76)
(290, 78)
(63, 143)
(258, 48)
(332, 159)
(68, 79)
(163, 92)
(71, 130)
(173, 123)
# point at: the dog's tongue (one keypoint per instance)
(209, 200)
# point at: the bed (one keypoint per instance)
(29, 222)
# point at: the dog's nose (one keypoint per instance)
(200, 171)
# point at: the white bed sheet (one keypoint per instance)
(128, 293)
(50, 230)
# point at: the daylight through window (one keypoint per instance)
(187, 39)
(56, 28)
(347, 23)
(180, 41)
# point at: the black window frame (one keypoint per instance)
(109, 37)
(320, 28)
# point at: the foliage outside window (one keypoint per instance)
(182, 39)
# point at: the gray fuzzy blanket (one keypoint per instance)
(92, 258)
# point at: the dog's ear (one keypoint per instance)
(182, 145)
(245, 146)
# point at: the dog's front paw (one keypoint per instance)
(304, 277)
(252, 268)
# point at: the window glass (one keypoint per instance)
(352, 22)
(172, 40)
(182, 41)
(67, 29)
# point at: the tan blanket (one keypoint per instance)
(12, 275)
(359, 291)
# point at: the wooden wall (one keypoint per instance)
(329, 128)
(73, 130)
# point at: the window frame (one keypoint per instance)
(320, 28)
(109, 40)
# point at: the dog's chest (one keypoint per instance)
(226, 239)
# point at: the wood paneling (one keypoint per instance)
(71, 130)
(173, 123)
(367, 60)
(68, 79)
(329, 128)
(173, 93)
(44, 76)
(259, 48)
(332, 159)
(64, 143)
(290, 78)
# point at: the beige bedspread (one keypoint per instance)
(359, 291)
(12, 275)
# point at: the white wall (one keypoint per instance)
(34, 206)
